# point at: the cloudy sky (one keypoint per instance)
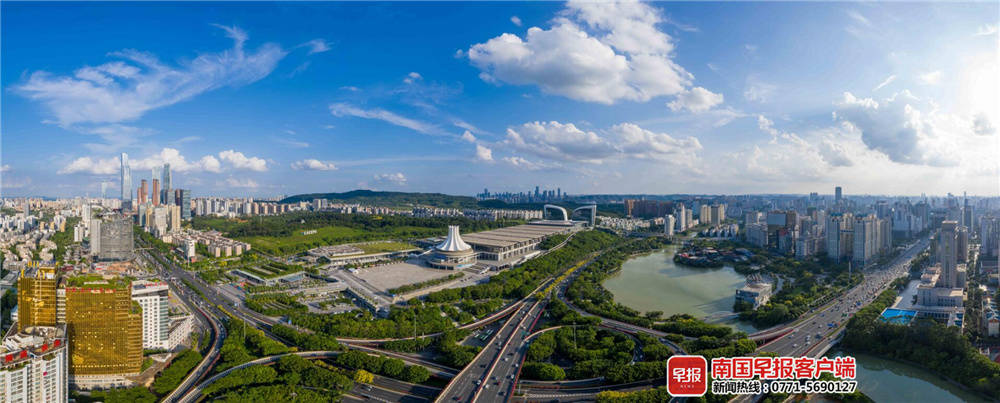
(270, 99)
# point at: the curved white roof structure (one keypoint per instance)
(454, 242)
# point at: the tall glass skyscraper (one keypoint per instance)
(165, 180)
(126, 179)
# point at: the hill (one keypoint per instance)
(408, 199)
(389, 199)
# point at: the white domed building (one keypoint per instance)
(453, 253)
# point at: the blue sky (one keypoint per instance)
(265, 99)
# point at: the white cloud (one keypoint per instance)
(483, 153)
(515, 20)
(313, 165)
(125, 90)
(343, 109)
(469, 137)
(317, 46)
(594, 51)
(395, 179)
(636, 142)
(558, 141)
(931, 78)
(887, 81)
(246, 183)
(291, 143)
(986, 30)
(5, 168)
(522, 163)
(240, 161)
(899, 128)
(857, 17)
(757, 90)
(695, 100)
(565, 142)
(93, 166)
(412, 77)
(982, 126)
(178, 163)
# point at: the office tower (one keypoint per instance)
(183, 197)
(36, 297)
(115, 239)
(104, 327)
(174, 217)
(126, 179)
(143, 192)
(865, 240)
(35, 366)
(166, 177)
(682, 218)
(668, 225)
(156, 192)
(153, 298)
(838, 194)
(536, 191)
(559, 193)
(27, 208)
(962, 254)
(948, 254)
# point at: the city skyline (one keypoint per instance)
(690, 99)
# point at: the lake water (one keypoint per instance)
(890, 381)
(654, 283)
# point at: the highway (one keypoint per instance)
(813, 334)
(208, 316)
(478, 377)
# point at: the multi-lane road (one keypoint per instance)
(813, 334)
(489, 376)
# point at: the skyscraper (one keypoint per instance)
(838, 194)
(948, 254)
(166, 177)
(126, 179)
(143, 192)
(156, 192)
(104, 327)
(36, 297)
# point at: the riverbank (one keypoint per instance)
(891, 380)
(654, 282)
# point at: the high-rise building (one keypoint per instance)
(143, 192)
(153, 298)
(668, 225)
(126, 179)
(865, 240)
(948, 254)
(104, 327)
(838, 194)
(115, 239)
(183, 199)
(156, 192)
(717, 213)
(36, 297)
(166, 177)
(34, 366)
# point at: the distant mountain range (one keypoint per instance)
(408, 199)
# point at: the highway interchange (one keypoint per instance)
(493, 374)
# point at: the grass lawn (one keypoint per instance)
(298, 242)
(381, 247)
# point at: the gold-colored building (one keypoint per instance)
(104, 326)
(36, 297)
